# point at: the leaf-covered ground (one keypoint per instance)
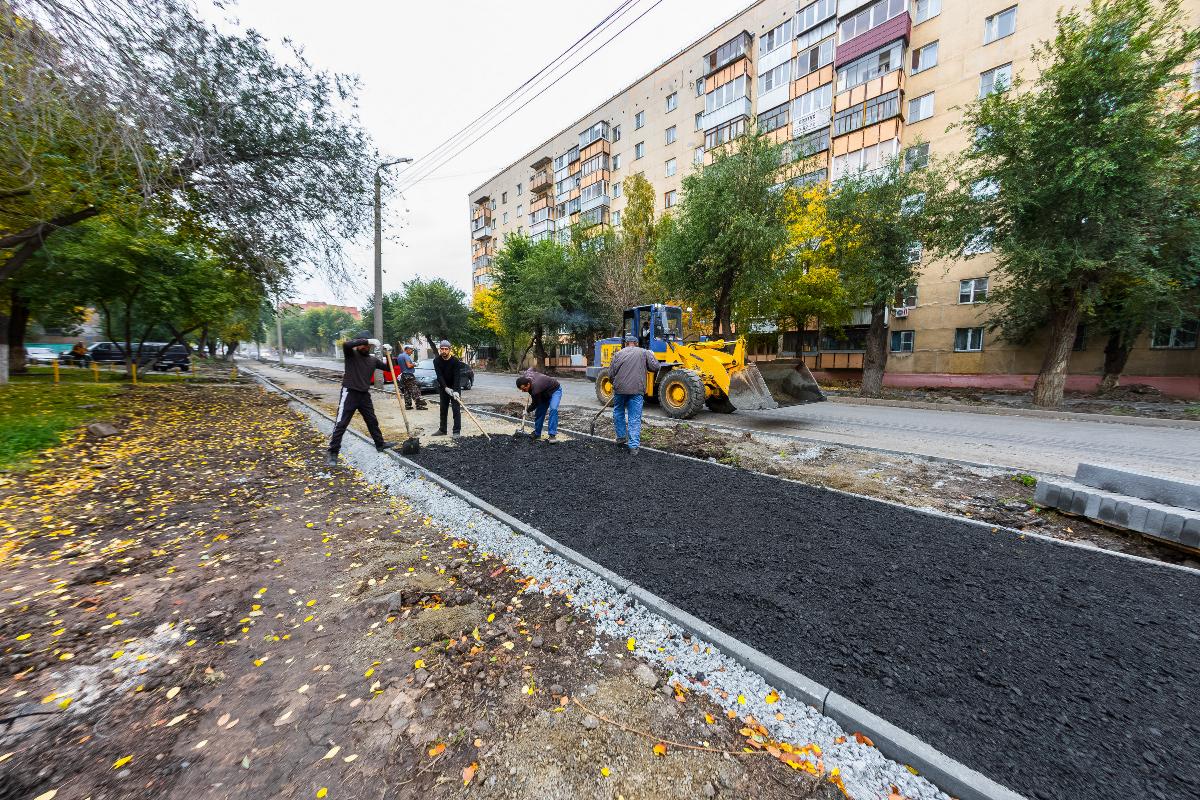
(196, 608)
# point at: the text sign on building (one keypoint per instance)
(810, 122)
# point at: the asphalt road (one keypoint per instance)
(1049, 446)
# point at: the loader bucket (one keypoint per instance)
(775, 385)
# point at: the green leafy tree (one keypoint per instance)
(433, 309)
(316, 329)
(1075, 180)
(621, 267)
(719, 249)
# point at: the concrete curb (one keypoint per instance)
(1076, 416)
(943, 771)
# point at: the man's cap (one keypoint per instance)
(362, 335)
(444, 343)
(629, 337)
(409, 347)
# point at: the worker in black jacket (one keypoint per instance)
(361, 364)
(545, 393)
(449, 371)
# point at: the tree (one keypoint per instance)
(620, 276)
(719, 248)
(433, 309)
(807, 287)
(316, 329)
(1075, 180)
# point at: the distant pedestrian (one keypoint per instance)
(360, 368)
(627, 371)
(79, 354)
(545, 393)
(407, 367)
(449, 371)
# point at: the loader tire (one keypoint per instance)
(604, 388)
(720, 404)
(681, 394)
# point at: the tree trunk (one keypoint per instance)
(1052, 378)
(203, 344)
(230, 346)
(18, 323)
(1116, 356)
(876, 355)
(30, 240)
(539, 349)
(3, 349)
(722, 325)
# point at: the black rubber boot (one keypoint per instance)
(440, 432)
(385, 446)
(330, 459)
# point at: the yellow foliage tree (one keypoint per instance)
(809, 287)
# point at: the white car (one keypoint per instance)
(40, 355)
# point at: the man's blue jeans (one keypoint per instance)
(540, 412)
(627, 418)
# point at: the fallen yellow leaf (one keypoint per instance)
(631, 644)
(468, 773)
(322, 791)
(120, 762)
(605, 771)
(660, 749)
(773, 697)
(174, 690)
(437, 750)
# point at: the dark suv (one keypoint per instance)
(152, 355)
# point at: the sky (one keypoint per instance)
(429, 68)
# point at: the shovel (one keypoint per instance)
(595, 419)
(412, 445)
(463, 406)
(521, 431)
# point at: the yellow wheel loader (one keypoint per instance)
(695, 375)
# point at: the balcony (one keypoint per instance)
(483, 262)
(482, 232)
(593, 202)
(895, 28)
(598, 131)
(726, 54)
(541, 180)
(545, 226)
(730, 111)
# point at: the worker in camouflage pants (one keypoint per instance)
(409, 387)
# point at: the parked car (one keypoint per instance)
(427, 378)
(152, 355)
(40, 355)
(174, 357)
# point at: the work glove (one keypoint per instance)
(387, 348)
(530, 408)
(373, 342)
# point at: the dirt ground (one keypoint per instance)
(994, 496)
(195, 607)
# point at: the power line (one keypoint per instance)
(469, 144)
(438, 150)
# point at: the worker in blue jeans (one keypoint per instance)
(627, 372)
(545, 393)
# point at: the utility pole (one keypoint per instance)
(378, 304)
(279, 330)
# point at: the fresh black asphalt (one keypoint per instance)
(1057, 671)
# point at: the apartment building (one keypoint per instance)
(844, 84)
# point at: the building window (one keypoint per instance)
(974, 290)
(671, 135)
(670, 198)
(906, 296)
(915, 251)
(731, 51)
(493, 205)
(814, 14)
(639, 119)
(617, 189)
(997, 26)
(725, 94)
(916, 157)
(505, 217)
(871, 17)
(699, 87)
(920, 108)
(774, 39)
(902, 341)
(1080, 343)
(594, 164)
(1179, 337)
(868, 113)
(979, 243)
(616, 133)
(995, 80)
(810, 144)
(504, 197)
(774, 119)
(670, 167)
(519, 207)
(699, 120)
(616, 216)
(775, 78)
(968, 340)
(818, 99)
(809, 178)
(616, 162)
(867, 159)
(924, 58)
(870, 66)
(812, 59)
(724, 133)
(672, 101)
(519, 190)
(639, 150)
(926, 9)
(698, 155)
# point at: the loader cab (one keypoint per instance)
(654, 325)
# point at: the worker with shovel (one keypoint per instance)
(407, 366)
(627, 371)
(360, 368)
(545, 393)
(449, 370)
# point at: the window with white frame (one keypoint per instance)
(774, 78)
(699, 87)
(775, 38)
(699, 121)
(926, 9)
(985, 189)
(616, 162)
(906, 296)
(920, 108)
(616, 218)
(519, 207)
(616, 133)
(999, 25)
(493, 205)
(725, 94)
(617, 189)
(814, 35)
(902, 341)
(505, 217)
(871, 17)
(924, 58)
(916, 157)
(670, 198)
(815, 13)
(519, 190)
(996, 79)
(774, 118)
(698, 155)
(670, 167)
(639, 150)
(866, 113)
(812, 59)
(818, 99)
(870, 66)
(979, 243)
(913, 204)
(670, 137)
(972, 290)
(1176, 337)
(724, 133)
(915, 251)
(968, 340)
(867, 159)
(639, 119)
(672, 101)
(504, 197)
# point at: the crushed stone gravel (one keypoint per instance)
(1060, 672)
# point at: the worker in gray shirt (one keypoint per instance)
(627, 371)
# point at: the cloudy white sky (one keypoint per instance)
(428, 68)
